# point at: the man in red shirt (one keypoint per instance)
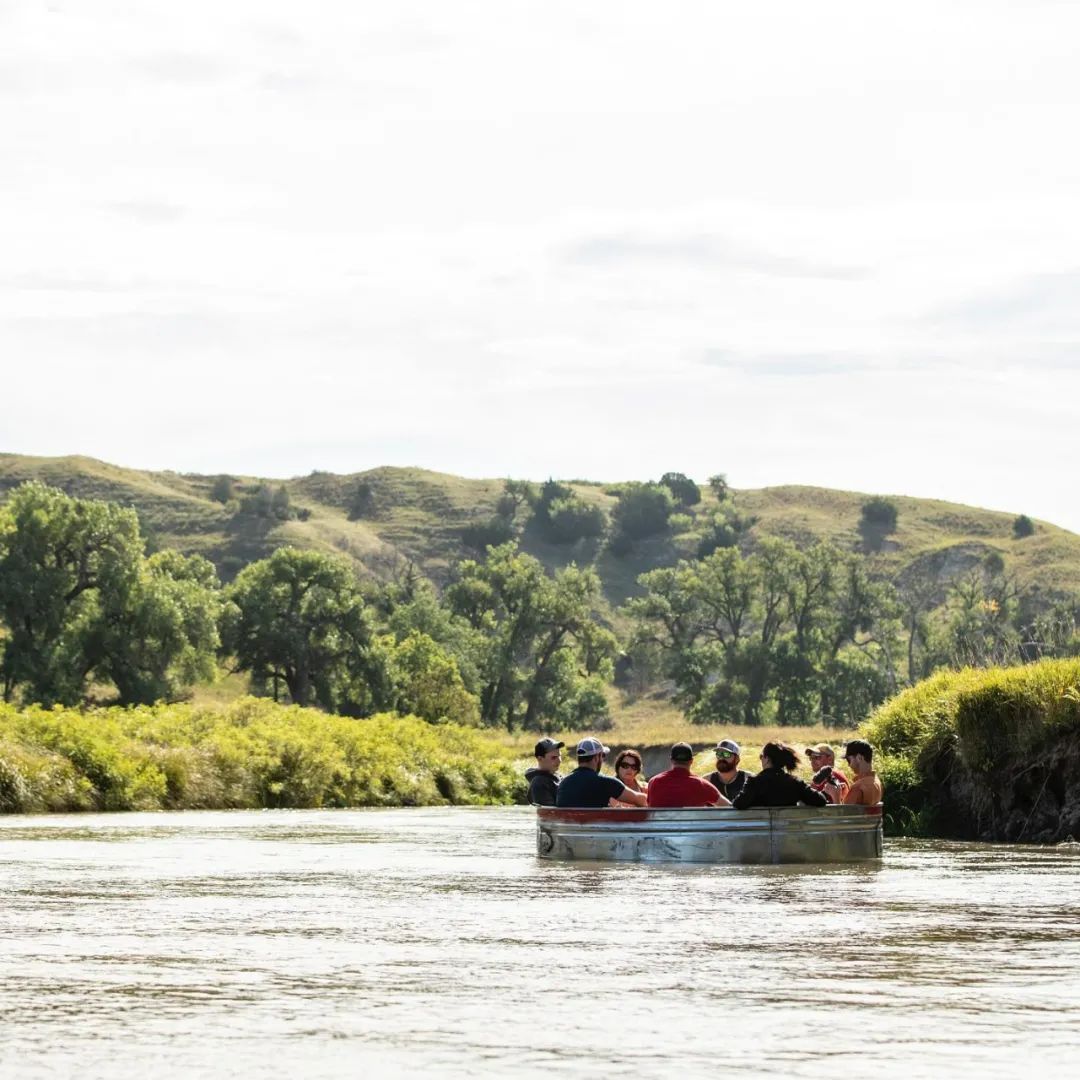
(679, 787)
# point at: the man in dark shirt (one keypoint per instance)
(679, 787)
(728, 779)
(544, 779)
(586, 789)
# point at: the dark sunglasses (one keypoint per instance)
(629, 765)
(725, 755)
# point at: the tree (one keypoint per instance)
(361, 501)
(561, 516)
(81, 602)
(222, 489)
(877, 520)
(58, 556)
(427, 682)
(541, 639)
(160, 636)
(683, 490)
(798, 630)
(1023, 526)
(299, 618)
(642, 510)
(719, 485)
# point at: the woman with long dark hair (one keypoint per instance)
(775, 785)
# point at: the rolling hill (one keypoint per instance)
(386, 518)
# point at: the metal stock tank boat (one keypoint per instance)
(790, 834)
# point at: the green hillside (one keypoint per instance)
(386, 518)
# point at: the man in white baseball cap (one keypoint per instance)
(586, 789)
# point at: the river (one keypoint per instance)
(345, 944)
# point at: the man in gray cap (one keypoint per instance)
(728, 779)
(544, 779)
(586, 789)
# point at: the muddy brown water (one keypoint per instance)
(369, 943)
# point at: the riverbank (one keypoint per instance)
(990, 754)
(249, 754)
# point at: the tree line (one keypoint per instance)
(739, 633)
(82, 607)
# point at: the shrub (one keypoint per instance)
(254, 753)
(879, 513)
(642, 510)
(1023, 526)
(683, 490)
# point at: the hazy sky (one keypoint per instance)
(828, 243)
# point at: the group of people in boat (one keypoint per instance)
(727, 786)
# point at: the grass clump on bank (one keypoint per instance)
(250, 754)
(993, 753)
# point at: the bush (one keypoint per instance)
(642, 510)
(572, 519)
(493, 531)
(683, 490)
(880, 514)
(252, 754)
(1023, 526)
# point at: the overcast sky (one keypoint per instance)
(832, 243)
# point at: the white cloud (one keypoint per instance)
(830, 244)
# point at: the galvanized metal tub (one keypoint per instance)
(797, 834)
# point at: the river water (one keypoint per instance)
(370, 943)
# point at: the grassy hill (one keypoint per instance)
(385, 518)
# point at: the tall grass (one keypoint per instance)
(251, 753)
(968, 730)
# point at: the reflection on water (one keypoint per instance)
(325, 943)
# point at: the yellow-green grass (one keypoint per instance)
(957, 742)
(248, 754)
(419, 516)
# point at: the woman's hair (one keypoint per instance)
(633, 755)
(781, 755)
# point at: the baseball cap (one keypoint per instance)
(545, 746)
(730, 745)
(821, 748)
(590, 747)
(682, 752)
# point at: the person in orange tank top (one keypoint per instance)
(866, 789)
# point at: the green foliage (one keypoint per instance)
(541, 636)
(361, 500)
(562, 517)
(252, 754)
(724, 529)
(969, 728)
(572, 519)
(428, 683)
(221, 490)
(880, 513)
(299, 618)
(79, 601)
(683, 490)
(642, 510)
(1023, 526)
(802, 634)
(490, 532)
(718, 484)
(160, 636)
(265, 501)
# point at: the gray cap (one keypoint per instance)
(590, 747)
(730, 745)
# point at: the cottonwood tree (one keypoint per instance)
(543, 650)
(79, 601)
(299, 618)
